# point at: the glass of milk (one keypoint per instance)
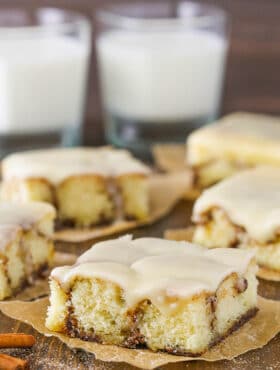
(44, 57)
(161, 69)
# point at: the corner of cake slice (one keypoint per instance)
(88, 186)
(242, 211)
(148, 292)
(26, 248)
(235, 142)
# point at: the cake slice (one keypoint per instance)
(242, 212)
(87, 186)
(26, 248)
(163, 295)
(235, 142)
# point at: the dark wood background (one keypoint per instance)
(252, 78)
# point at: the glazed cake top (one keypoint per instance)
(55, 165)
(241, 137)
(151, 268)
(15, 217)
(251, 199)
(25, 215)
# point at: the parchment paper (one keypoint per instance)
(187, 234)
(171, 158)
(254, 334)
(165, 191)
(40, 287)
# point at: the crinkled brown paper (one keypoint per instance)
(254, 334)
(187, 235)
(40, 287)
(165, 191)
(172, 158)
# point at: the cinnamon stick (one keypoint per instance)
(13, 340)
(12, 363)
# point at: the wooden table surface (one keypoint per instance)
(50, 353)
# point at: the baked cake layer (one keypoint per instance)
(235, 142)
(26, 249)
(87, 186)
(242, 211)
(164, 295)
(220, 232)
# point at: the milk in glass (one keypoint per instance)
(42, 86)
(160, 84)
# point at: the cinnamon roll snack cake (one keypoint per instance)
(87, 186)
(235, 142)
(244, 212)
(26, 248)
(163, 295)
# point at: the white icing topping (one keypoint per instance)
(242, 137)
(251, 199)
(56, 165)
(151, 268)
(24, 215)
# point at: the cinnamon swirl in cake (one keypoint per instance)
(26, 248)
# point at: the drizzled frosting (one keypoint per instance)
(151, 268)
(56, 165)
(251, 199)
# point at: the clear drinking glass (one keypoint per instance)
(161, 69)
(44, 57)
